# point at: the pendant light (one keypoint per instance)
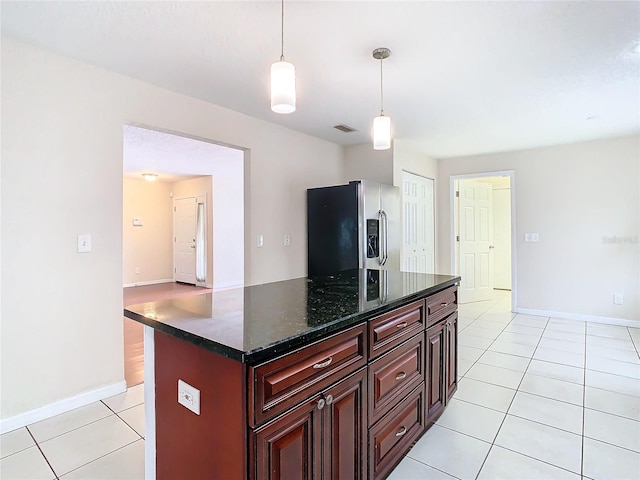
(381, 124)
(283, 80)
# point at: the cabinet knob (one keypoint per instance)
(326, 363)
(321, 403)
(329, 399)
(401, 376)
(401, 432)
(402, 325)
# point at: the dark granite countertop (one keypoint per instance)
(253, 324)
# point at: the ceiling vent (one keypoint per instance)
(345, 128)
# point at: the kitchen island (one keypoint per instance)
(326, 377)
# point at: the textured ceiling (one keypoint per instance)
(463, 77)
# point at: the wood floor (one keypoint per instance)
(133, 331)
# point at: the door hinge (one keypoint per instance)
(457, 238)
(174, 209)
(458, 193)
(175, 271)
(174, 239)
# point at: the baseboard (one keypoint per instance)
(149, 282)
(226, 286)
(61, 406)
(580, 317)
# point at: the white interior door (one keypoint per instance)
(418, 225)
(502, 238)
(184, 253)
(475, 216)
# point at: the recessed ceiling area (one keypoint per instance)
(464, 78)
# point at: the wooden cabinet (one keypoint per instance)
(281, 383)
(442, 364)
(322, 438)
(391, 437)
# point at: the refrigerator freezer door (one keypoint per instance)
(390, 205)
(369, 209)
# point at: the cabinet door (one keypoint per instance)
(436, 360)
(345, 428)
(290, 447)
(452, 355)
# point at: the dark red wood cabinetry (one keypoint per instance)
(321, 438)
(346, 407)
(442, 364)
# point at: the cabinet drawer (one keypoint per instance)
(393, 328)
(441, 304)
(394, 374)
(281, 383)
(389, 439)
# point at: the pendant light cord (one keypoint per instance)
(381, 93)
(282, 33)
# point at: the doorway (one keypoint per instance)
(205, 182)
(483, 235)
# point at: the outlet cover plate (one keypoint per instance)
(189, 397)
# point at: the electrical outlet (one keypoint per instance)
(618, 298)
(189, 397)
(137, 270)
(287, 240)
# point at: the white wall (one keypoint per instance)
(573, 195)
(62, 175)
(362, 162)
(148, 247)
(411, 160)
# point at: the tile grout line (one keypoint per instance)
(101, 456)
(42, 453)
(505, 413)
(584, 400)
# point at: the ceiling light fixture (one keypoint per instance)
(381, 125)
(150, 177)
(283, 80)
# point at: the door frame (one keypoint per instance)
(452, 215)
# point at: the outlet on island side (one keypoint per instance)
(189, 397)
(618, 298)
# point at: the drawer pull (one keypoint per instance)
(402, 325)
(401, 432)
(326, 363)
(401, 376)
(444, 304)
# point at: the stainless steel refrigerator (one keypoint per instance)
(353, 226)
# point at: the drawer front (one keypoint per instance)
(393, 328)
(441, 304)
(394, 374)
(281, 383)
(390, 438)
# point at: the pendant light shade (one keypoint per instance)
(283, 87)
(283, 79)
(381, 133)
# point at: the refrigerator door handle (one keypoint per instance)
(385, 236)
(381, 258)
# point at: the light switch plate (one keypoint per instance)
(137, 222)
(260, 241)
(84, 243)
(189, 397)
(287, 240)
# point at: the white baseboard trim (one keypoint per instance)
(150, 282)
(226, 286)
(61, 406)
(580, 317)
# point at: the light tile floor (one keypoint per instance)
(538, 398)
